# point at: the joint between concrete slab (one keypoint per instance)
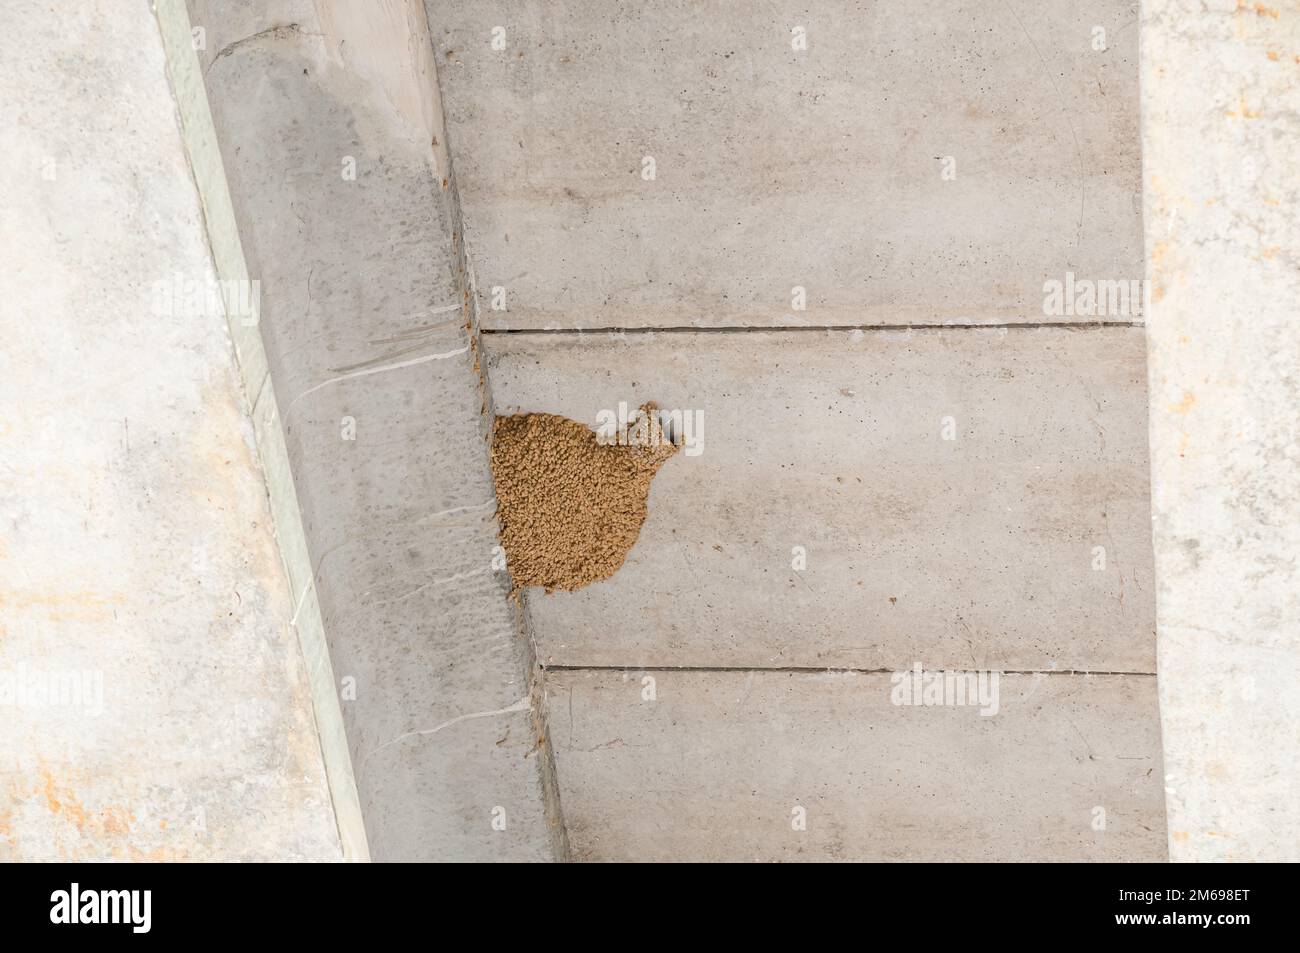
(783, 328)
(813, 670)
(469, 297)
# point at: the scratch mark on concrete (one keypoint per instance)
(307, 589)
(524, 704)
(287, 31)
(377, 370)
(432, 582)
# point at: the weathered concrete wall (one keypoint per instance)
(330, 131)
(1223, 245)
(824, 167)
(138, 569)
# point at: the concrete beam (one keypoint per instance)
(330, 134)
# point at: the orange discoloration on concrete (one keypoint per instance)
(116, 820)
(64, 804)
(1259, 9)
(1242, 111)
(1159, 252)
(63, 800)
(77, 605)
(82, 831)
(1184, 405)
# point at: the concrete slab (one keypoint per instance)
(1023, 543)
(910, 164)
(717, 765)
(1222, 192)
(331, 136)
(154, 702)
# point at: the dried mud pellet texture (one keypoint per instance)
(570, 508)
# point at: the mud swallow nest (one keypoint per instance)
(570, 506)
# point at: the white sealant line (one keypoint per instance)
(524, 704)
(302, 600)
(377, 370)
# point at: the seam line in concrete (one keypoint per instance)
(779, 329)
(812, 670)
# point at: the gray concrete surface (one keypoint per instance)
(979, 551)
(154, 703)
(1223, 247)
(865, 499)
(716, 765)
(381, 411)
(823, 168)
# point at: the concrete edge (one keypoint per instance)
(473, 326)
(199, 136)
(1144, 81)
